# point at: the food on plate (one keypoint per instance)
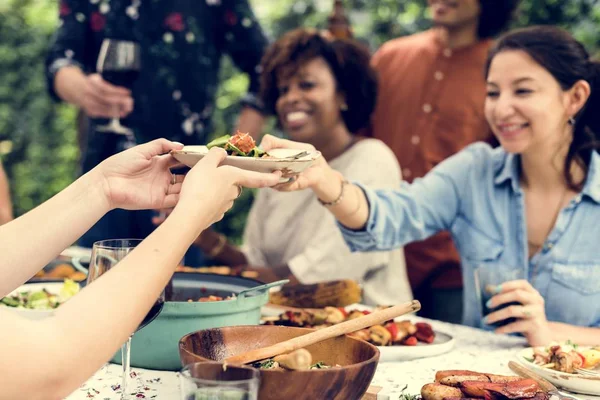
(462, 384)
(334, 293)
(566, 357)
(41, 299)
(61, 271)
(219, 270)
(240, 144)
(390, 333)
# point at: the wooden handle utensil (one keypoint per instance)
(353, 325)
(526, 373)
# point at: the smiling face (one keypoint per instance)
(308, 105)
(455, 14)
(525, 106)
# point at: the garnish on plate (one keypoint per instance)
(241, 144)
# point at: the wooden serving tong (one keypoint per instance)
(353, 325)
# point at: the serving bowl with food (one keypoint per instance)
(566, 365)
(340, 368)
(39, 300)
(192, 302)
(243, 153)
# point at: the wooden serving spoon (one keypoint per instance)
(353, 325)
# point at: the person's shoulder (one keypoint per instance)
(370, 148)
(406, 42)
(369, 159)
(478, 158)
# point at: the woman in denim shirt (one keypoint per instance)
(533, 204)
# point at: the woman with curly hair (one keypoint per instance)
(322, 91)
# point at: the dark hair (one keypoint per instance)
(349, 63)
(495, 16)
(568, 62)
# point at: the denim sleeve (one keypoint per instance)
(418, 210)
(245, 42)
(68, 43)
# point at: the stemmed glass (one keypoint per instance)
(119, 63)
(105, 255)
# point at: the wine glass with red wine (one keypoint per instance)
(118, 63)
(488, 277)
(106, 254)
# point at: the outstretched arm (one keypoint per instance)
(89, 328)
(137, 178)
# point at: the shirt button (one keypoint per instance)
(415, 140)
(427, 108)
(438, 75)
(549, 246)
(447, 52)
(406, 172)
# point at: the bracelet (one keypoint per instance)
(218, 247)
(339, 198)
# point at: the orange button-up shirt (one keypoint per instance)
(430, 106)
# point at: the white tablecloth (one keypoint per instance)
(475, 350)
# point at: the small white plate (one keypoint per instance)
(280, 160)
(52, 287)
(572, 382)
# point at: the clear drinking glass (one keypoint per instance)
(209, 381)
(487, 280)
(105, 255)
(119, 63)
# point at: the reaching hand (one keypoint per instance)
(140, 177)
(317, 176)
(214, 188)
(531, 315)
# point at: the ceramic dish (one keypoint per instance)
(279, 160)
(572, 382)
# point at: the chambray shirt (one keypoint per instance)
(475, 195)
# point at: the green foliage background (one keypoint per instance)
(38, 144)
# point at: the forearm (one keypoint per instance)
(251, 121)
(45, 231)
(351, 208)
(577, 334)
(98, 320)
(68, 82)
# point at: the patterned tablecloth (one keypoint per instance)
(475, 350)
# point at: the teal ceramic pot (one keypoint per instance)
(156, 345)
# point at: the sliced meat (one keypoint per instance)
(503, 378)
(456, 380)
(449, 372)
(521, 389)
(437, 391)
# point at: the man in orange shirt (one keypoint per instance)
(430, 105)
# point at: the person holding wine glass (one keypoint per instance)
(531, 204)
(51, 357)
(143, 70)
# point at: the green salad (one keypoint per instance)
(41, 299)
(240, 144)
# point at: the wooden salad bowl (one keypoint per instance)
(357, 359)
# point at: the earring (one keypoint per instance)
(344, 107)
(572, 121)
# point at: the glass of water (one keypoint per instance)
(213, 381)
